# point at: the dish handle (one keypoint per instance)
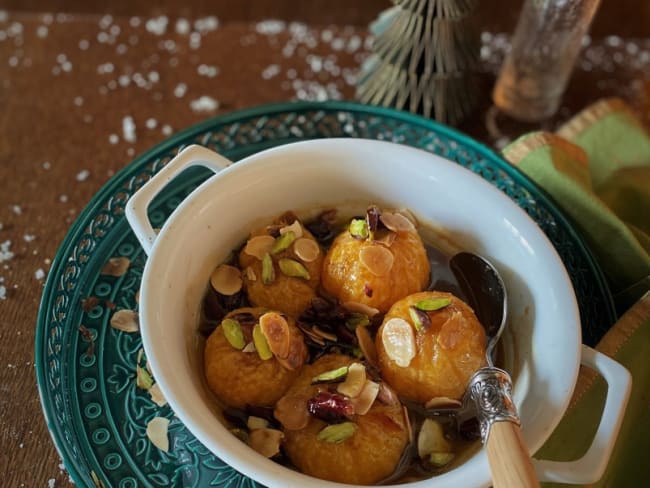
(591, 467)
(138, 204)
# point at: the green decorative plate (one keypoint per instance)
(86, 369)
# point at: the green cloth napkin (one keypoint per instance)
(597, 168)
(628, 342)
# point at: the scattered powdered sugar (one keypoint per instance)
(83, 175)
(180, 90)
(113, 139)
(47, 165)
(183, 26)
(151, 123)
(270, 27)
(270, 71)
(204, 104)
(29, 237)
(206, 24)
(5, 251)
(39, 274)
(3, 292)
(167, 130)
(157, 25)
(41, 31)
(128, 129)
(17, 209)
(206, 70)
(51, 483)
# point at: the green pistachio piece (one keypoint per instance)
(337, 433)
(359, 228)
(357, 319)
(234, 335)
(440, 459)
(337, 374)
(261, 345)
(415, 318)
(143, 378)
(268, 273)
(293, 268)
(283, 242)
(431, 304)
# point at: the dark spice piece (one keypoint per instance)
(87, 304)
(372, 218)
(367, 290)
(88, 337)
(322, 228)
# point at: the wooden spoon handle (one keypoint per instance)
(510, 462)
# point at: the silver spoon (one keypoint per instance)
(489, 389)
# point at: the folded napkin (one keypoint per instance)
(597, 169)
(628, 342)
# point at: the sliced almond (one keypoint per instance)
(396, 222)
(360, 308)
(409, 215)
(387, 395)
(385, 237)
(296, 228)
(226, 279)
(258, 246)
(276, 332)
(354, 381)
(366, 398)
(432, 439)
(250, 347)
(297, 353)
(291, 412)
(157, 433)
(125, 320)
(250, 274)
(324, 334)
(306, 249)
(367, 345)
(443, 402)
(116, 266)
(157, 396)
(377, 259)
(266, 441)
(399, 341)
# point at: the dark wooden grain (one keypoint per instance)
(39, 123)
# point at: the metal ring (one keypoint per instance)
(489, 390)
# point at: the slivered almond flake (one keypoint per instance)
(399, 341)
(157, 433)
(250, 274)
(266, 441)
(385, 237)
(116, 266)
(377, 259)
(324, 334)
(125, 320)
(407, 213)
(407, 420)
(443, 402)
(354, 381)
(250, 347)
(256, 423)
(396, 222)
(387, 395)
(291, 412)
(360, 308)
(226, 279)
(296, 228)
(276, 332)
(157, 396)
(432, 439)
(306, 249)
(258, 246)
(366, 397)
(367, 345)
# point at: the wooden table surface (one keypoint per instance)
(74, 82)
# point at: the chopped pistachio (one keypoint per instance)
(359, 228)
(256, 423)
(440, 459)
(293, 268)
(234, 335)
(431, 304)
(420, 318)
(330, 376)
(357, 319)
(283, 242)
(261, 345)
(337, 433)
(268, 273)
(143, 379)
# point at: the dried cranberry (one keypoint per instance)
(330, 407)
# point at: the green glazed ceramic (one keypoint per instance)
(86, 369)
